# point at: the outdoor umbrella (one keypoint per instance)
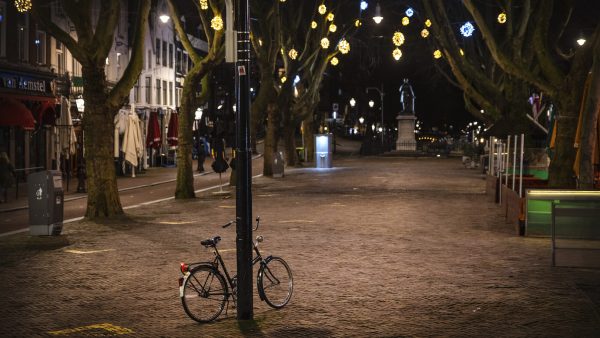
(132, 143)
(153, 136)
(66, 132)
(172, 133)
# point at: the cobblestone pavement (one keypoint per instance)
(379, 247)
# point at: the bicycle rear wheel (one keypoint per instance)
(275, 282)
(204, 294)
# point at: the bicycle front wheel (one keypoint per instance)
(204, 294)
(275, 282)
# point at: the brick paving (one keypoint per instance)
(379, 247)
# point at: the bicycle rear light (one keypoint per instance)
(184, 268)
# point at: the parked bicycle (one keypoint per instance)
(206, 287)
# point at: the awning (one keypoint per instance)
(45, 113)
(172, 133)
(14, 113)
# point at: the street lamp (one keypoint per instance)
(381, 94)
(377, 17)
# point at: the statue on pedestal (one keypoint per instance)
(407, 99)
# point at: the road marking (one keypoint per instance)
(82, 252)
(110, 328)
(176, 222)
(296, 221)
(227, 206)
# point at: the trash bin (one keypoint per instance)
(323, 150)
(46, 197)
(278, 164)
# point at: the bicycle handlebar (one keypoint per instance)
(231, 222)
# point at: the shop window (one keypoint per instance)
(148, 89)
(164, 53)
(170, 93)
(158, 101)
(40, 47)
(164, 96)
(158, 52)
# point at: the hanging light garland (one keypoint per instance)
(344, 46)
(437, 54)
(313, 25)
(334, 61)
(461, 52)
(325, 43)
(204, 4)
(398, 39)
(357, 23)
(427, 23)
(425, 33)
(502, 17)
(283, 79)
(467, 29)
(330, 17)
(23, 5)
(397, 54)
(322, 9)
(409, 12)
(405, 21)
(293, 54)
(216, 23)
(332, 28)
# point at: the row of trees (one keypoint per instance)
(288, 42)
(504, 62)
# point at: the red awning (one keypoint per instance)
(172, 133)
(14, 113)
(45, 113)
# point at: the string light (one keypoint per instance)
(409, 12)
(260, 42)
(330, 17)
(282, 0)
(332, 28)
(437, 54)
(397, 54)
(357, 23)
(461, 52)
(216, 23)
(502, 17)
(398, 39)
(325, 43)
(363, 5)
(424, 33)
(427, 23)
(405, 21)
(204, 4)
(467, 29)
(283, 79)
(322, 9)
(313, 25)
(23, 5)
(293, 54)
(334, 61)
(344, 46)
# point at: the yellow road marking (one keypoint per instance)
(297, 221)
(81, 252)
(116, 330)
(176, 222)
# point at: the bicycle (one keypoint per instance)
(205, 291)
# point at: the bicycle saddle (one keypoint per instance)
(211, 241)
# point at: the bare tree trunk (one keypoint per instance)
(103, 196)
(309, 138)
(271, 140)
(289, 139)
(589, 136)
(185, 165)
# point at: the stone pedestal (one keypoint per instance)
(406, 133)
